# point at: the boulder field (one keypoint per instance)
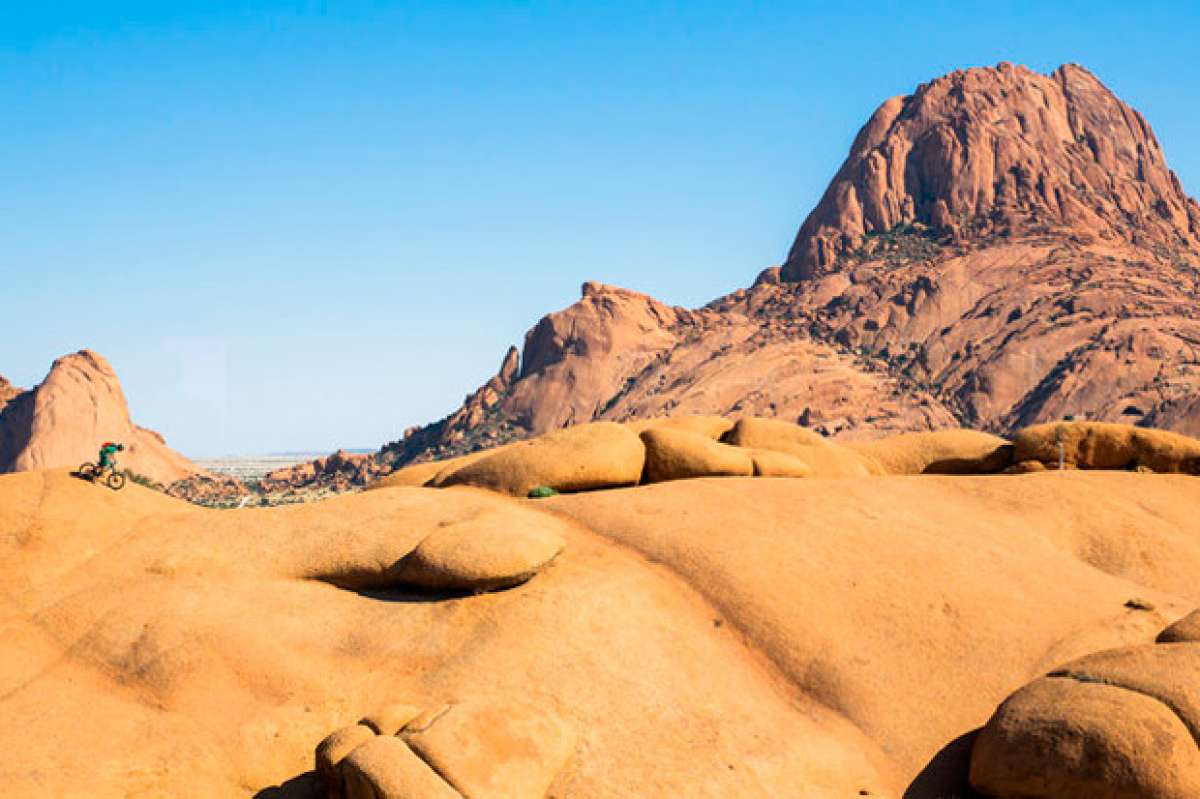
(883, 633)
(611, 455)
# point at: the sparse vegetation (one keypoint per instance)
(902, 244)
(144, 481)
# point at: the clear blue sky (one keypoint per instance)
(305, 225)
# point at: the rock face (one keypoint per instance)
(63, 421)
(1000, 248)
(606, 455)
(679, 455)
(1119, 723)
(1094, 445)
(438, 753)
(1004, 151)
(339, 471)
(7, 392)
(824, 637)
(940, 452)
(826, 458)
(582, 458)
(617, 355)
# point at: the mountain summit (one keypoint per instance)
(1000, 248)
(1000, 150)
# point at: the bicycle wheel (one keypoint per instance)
(88, 470)
(116, 480)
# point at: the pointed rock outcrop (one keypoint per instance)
(999, 151)
(62, 422)
(7, 392)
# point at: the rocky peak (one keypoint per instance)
(62, 421)
(7, 391)
(1000, 248)
(510, 367)
(996, 151)
(600, 319)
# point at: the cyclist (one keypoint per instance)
(108, 455)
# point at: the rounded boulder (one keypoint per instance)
(1117, 724)
(581, 458)
(1103, 445)
(826, 458)
(939, 452)
(768, 463)
(680, 455)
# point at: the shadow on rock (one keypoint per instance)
(945, 776)
(411, 595)
(304, 786)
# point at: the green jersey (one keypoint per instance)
(107, 453)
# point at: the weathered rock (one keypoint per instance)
(338, 471)
(582, 458)
(1118, 723)
(772, 625)
(489, 542)
(1002, 149)
(620, 356)
(826, 458)
(385, 768)
(940, 452)
(332, 751)
(1168, 672)
(495, 749)
(1096, 445)
(413, 476)
(64, 420)
(1060, 738)
(495, 550)
(7, 392)
(768, 463)
(708, 426)
(1185, 629)
(390, 719)
(676, 454)
(1000, 249)
(428, 473)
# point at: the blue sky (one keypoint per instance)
(299, 226)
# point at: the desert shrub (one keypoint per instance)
(144, 481)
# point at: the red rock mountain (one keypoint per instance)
(1002, 150)
(62, 422)
(999, 248)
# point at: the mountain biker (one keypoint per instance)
(108, 452)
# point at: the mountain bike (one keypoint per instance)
(107, 476)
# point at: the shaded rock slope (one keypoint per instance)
(7, 392)
(1000, 248)
(63, 420)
